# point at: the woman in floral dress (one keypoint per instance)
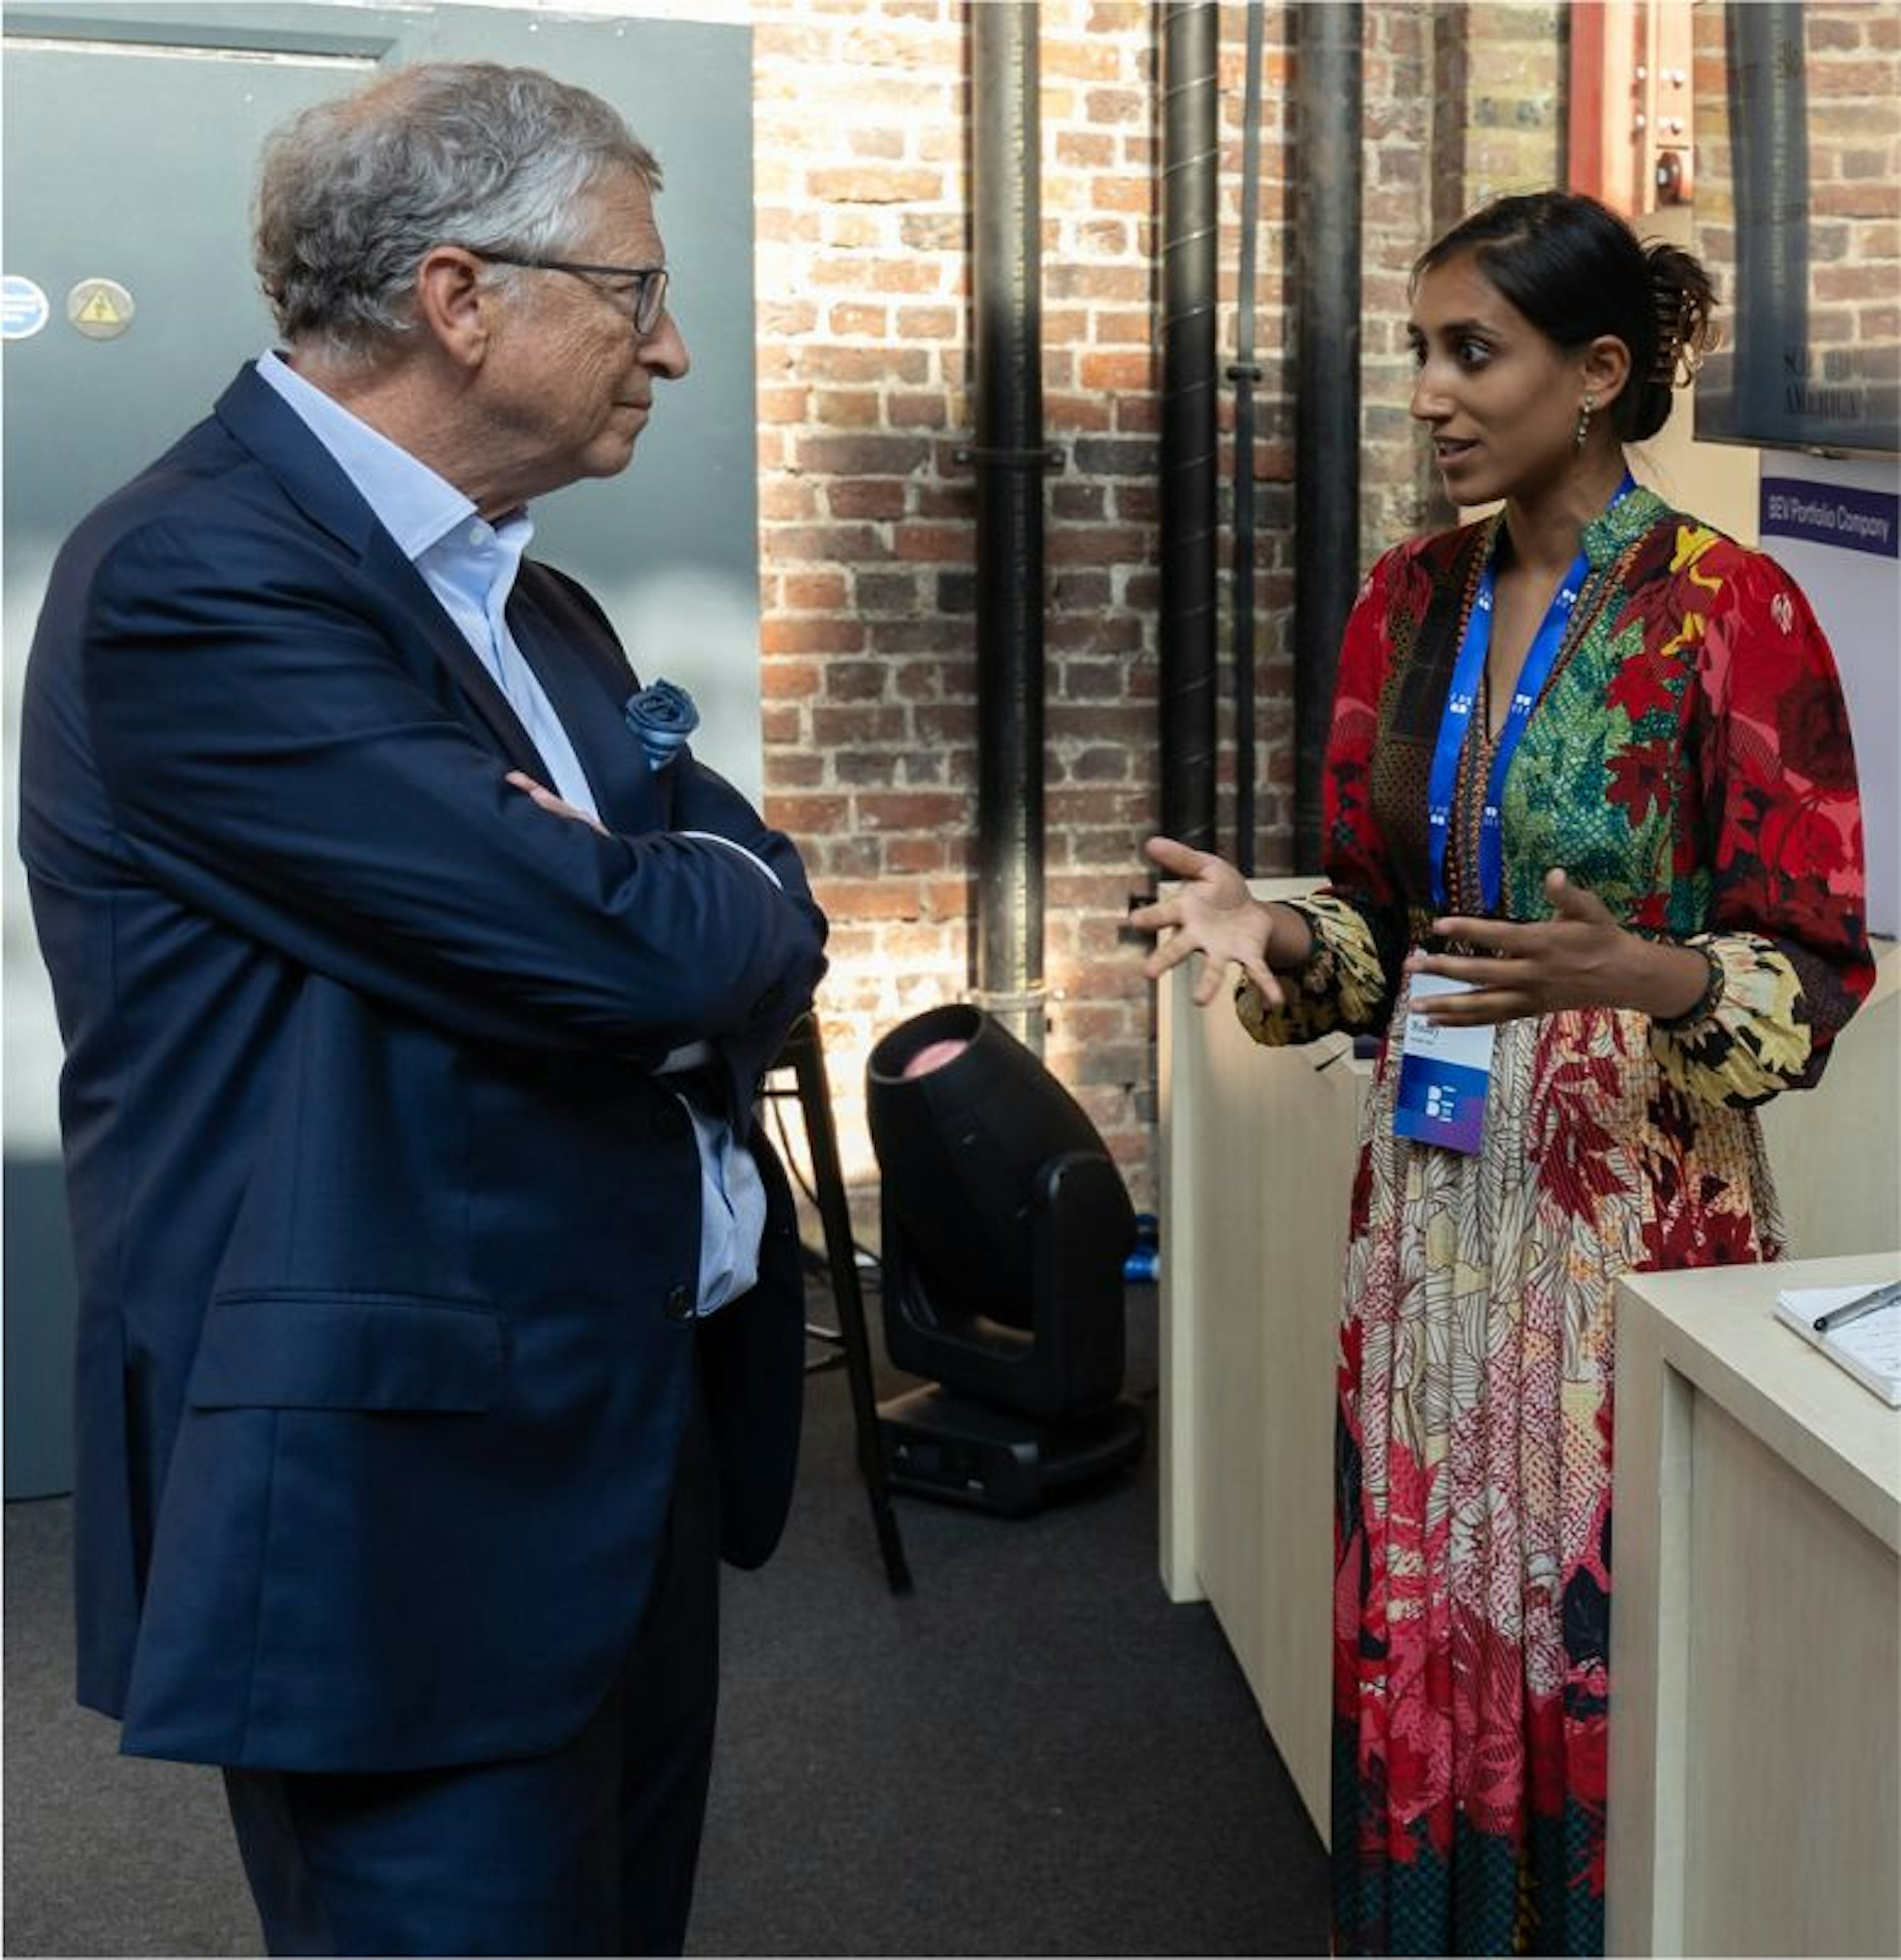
(1657, 924)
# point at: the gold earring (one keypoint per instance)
(1587, 408)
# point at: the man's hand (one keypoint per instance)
(1212, 914)
(1582, 958)
(545, 799)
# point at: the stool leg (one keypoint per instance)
(806, 1052)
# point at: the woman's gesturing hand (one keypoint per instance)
(1213, 914)
(1581, 958)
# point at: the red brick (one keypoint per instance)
(783, 680)
(919, 854)
(856, 680)
(1065, 414)
(807, 634)
(809, 816)
(783, 498)
(813, 592)
(880, 276)
(872, 899)
(937, 543)
(916, 412)
(867, 185)
(886, 144)
(850, 319)
(928, 323)
(843, 856)
(865, 455)
(880, 499)
(884, 365)
(913, 811)
(1125, 284)
(846, 727)
(826, 544)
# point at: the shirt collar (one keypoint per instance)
(418, 507)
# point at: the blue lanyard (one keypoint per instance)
(1455, 722)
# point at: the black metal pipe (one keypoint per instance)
(1327, 390)
(1245, 374)
(1009, 458)
(1769, 141)
(1191, 158)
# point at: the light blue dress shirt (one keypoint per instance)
(470, 565)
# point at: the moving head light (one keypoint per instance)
(1005, 1223)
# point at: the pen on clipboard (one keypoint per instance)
(1853, 1309)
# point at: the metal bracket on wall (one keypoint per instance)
(1010, 458)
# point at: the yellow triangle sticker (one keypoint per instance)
(97, 310)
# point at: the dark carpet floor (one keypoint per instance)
(1033, 1753)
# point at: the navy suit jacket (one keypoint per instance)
(388, 1237)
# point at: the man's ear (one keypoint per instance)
(454, 308)
(1605, 369)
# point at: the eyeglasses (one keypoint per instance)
(646, 285)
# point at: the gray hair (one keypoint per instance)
(354, 192)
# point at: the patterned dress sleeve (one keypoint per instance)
(1787, 941)
(1357, 919)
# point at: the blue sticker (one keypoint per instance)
(23, 308)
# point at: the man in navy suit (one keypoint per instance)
(440, 1320)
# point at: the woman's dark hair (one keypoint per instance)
(1576, 270)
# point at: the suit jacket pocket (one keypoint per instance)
(373, 1351)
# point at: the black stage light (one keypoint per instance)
(1005, 1224)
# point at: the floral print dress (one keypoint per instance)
(1689, 760)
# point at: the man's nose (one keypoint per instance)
(664, 350)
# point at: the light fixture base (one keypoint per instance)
(939, 1445)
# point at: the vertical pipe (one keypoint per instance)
(1327, 392)
(1009, 458)
(1245, 374)
(1190, 159)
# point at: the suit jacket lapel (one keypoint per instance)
(271, 431)
(383, 561)
(588, 694)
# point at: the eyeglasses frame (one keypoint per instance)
(650, 299)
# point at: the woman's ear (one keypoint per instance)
(1605, 368)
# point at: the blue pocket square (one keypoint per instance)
(662, 716)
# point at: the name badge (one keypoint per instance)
(1445, 1073)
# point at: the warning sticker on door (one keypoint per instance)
(100, 309)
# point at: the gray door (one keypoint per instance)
(131, 139)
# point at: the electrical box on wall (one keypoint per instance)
(1631, 123)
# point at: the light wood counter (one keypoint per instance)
(1755, 1802)
(1257, 1154)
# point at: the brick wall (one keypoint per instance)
(866, 534)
